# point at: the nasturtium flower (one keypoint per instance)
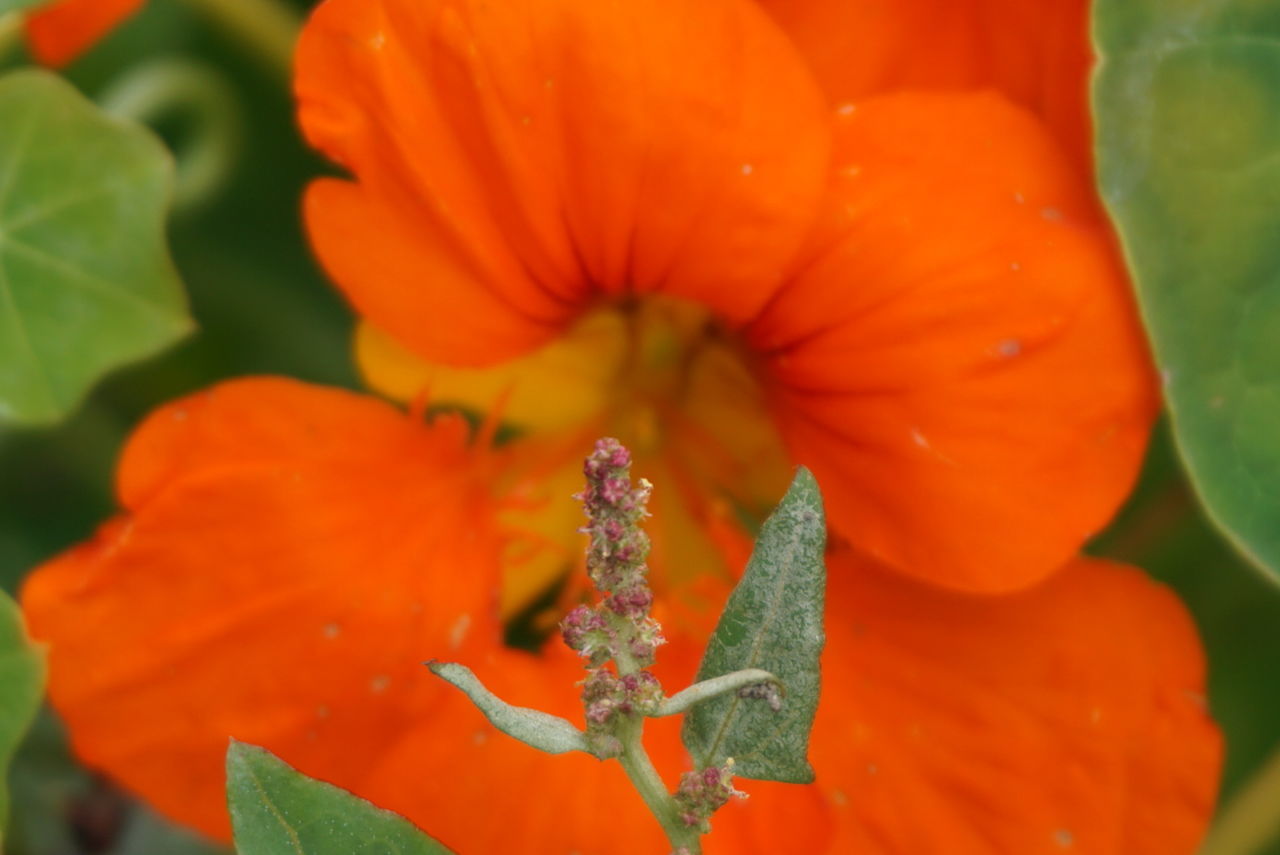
(288, 554)
(60, 31)
(653, 213)
(662, 220)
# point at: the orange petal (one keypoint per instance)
(517, 162)
(287, 556)
(1036, 53)
(61, 31)
(960, 364)
(1067, 718)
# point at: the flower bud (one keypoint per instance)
(703, 792)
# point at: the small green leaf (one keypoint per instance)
(21, 687)
(699, 693)
(543, 731)
(276, 810)
(1187, 100)
(86, 282)
(773, 621)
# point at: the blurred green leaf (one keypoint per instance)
(543, 731)
(15, 5)
(86, 283)
(1187, 100)
(772, 621)
(277, 810)
(21, 687)
(59, 808)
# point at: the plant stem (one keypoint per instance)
(10, 33)
(644, 777)
(267, 27)
(201, 96)
(1249, 821)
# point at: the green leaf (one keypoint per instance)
(21, 687)
(773, 621)
(86, 282)
(277, 810)
(543, 731)
(1188, 113)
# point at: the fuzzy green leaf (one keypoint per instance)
(773, 621)
(276, 810)
(543, 731)
(86, 282)
(21, 687)
(1188, 113)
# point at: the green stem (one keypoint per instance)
(644, 777)
(267, 27)
(10, 33)
(1250, 820)
(196, 95)
(624, 631)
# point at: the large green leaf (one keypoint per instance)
(276, 810)
(772, 621)
(1188, 113)
(86, 283)
(21, 686)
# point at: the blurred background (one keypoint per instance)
(263, 306)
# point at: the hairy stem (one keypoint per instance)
(684, 699)
(644, 777)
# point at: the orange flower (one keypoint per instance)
(289, 554)
(914, 292)
(647, 219)
(60, 31)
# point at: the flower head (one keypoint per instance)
(650, 220)
(287, 555)
(653, 217)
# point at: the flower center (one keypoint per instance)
(681, 393)
(664, 376)
(677, 387)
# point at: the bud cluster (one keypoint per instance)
(703, 792)
(606, 696)
(767, 692)
(614, 506)
(618, 627)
